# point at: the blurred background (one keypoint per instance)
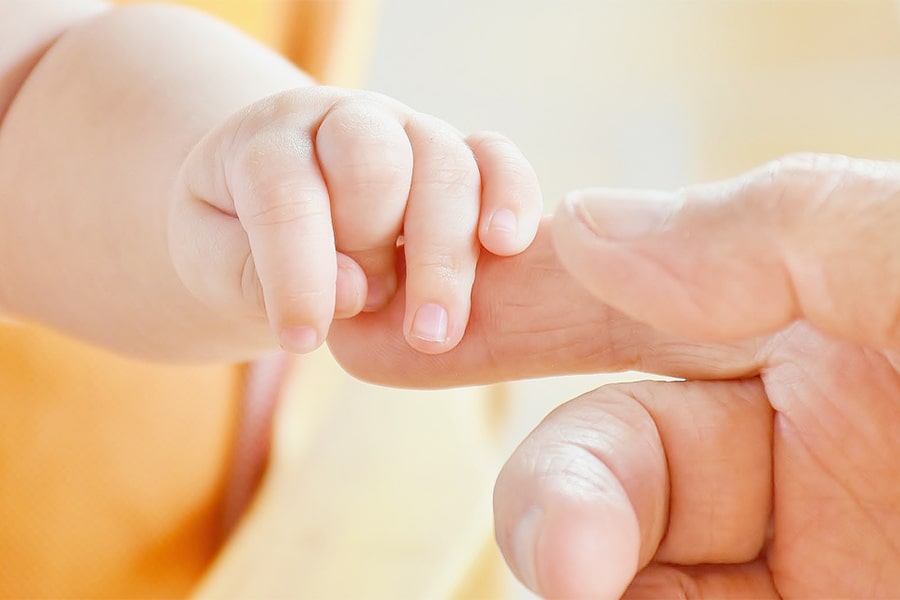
(645, 93)
(649, 92)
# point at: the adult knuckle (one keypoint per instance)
(805, 173)
(796, 187)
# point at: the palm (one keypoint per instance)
(835, 474)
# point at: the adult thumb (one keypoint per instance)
(809, 236)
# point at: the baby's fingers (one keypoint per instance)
(511, 202)
(255, 187)
(282, 202)
(440, 232)
(367, 160)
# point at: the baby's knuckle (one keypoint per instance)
(514, 170)
(281, 205)
(491, 143)
(376, 171)
(267, 148)
(452, 175)
(306, 297)
(446, 265)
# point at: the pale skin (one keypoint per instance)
(773, 470)
(175, 191)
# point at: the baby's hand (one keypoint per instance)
(291, 213)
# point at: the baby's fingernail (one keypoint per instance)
(624, 214)
(430, 323)
(525, 547)
(504, 221)
(299, 339)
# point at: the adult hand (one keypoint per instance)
(782, 479)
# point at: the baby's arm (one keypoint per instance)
(155, 204)
(90, 149)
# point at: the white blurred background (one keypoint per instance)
(647, 92)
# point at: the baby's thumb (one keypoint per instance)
(806, 236)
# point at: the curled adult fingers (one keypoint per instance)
(718, 442)
(806, 236)
(678, 472)
(583, 498)
(745, 581)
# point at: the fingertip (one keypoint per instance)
(624, 214)
(499, 233)
(430, 324)
(589, 550)
(351, 289)
(512, 202)
(300, 340)
(431, 329)
(505, 222)
(607, 266)
(526, 540)
(435, 326)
